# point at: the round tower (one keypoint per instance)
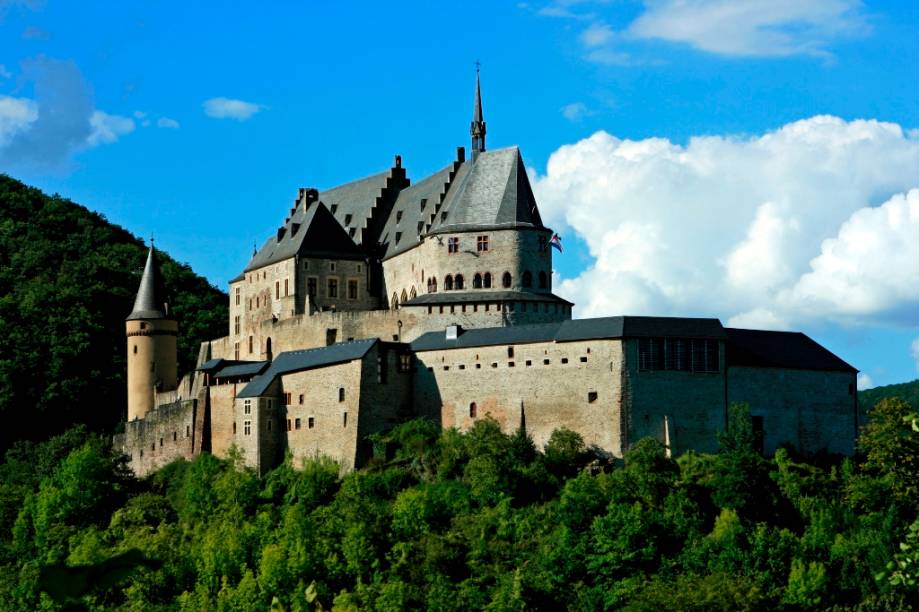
(151, 333)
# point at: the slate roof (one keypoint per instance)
(150, 302)
(356, 199)
(297, 361)
(250, 368)
(574, 330)
(313, 232)
(794, 350)
(492, 192)
(408, 203)
(482, 295)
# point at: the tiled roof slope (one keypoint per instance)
(574, 330)
(296, 361)
(311, 233)
(494, 191)
(748, 347)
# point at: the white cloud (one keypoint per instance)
(106, 128)
(915, 351)
(575, 111)
(166, 122)
(863, 381)
(597, 35)
(227, 108)
(752, 27)
(763, 231)
(16, 115)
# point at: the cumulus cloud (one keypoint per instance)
(596, 35)
(107, 129)
(863, 381)
(166, 122)
(227, 108)
(16, 116)
(811, 221)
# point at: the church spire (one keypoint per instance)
(477, 129)
(150, 302)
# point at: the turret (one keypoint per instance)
(151, 333)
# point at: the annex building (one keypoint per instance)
(384, 300)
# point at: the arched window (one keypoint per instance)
(394, 303)
(433, 284)
(486, 280)
(458, 282)
(448, 283)
(506, 280)
(404, 297)
(527, 279)
(413, 294)
(477, 281)
(268, 346)
(472, 410)
(543, 281)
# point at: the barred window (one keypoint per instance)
(705, 356)
(650, 354)
(453, 245)
(677, 354)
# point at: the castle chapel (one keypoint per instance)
(383, 300)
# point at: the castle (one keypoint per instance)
(383, 300)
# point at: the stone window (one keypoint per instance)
(486, 280)
(394, 302)
(527, 279)
(277, 290)
(306, 265)
(458, 282)
(510, 352)
(297, 423)
(352, 289)
(234, 428)
(247, 428)
(506, 280)
(287, 399)
(161, 443)
(250, 344)
(564, 360)
(529, 363)
(546, 361)
(472, 410)
(453, 244)
(481, 244)
(236, 351)
(344, 419)
(331, 266)
(236, 325)
(477, 281)
(591, 397)
(341, 394)
(333, 288)
(310, 422)
(175, 436)
(583, 359)
(331, 335)
(432, 284)
(312, 284)
(405, 362)
(543, 280)
(300, 399)
(269, 424)
(187, 430)
(238, 296)
(448, 283)
(288, 425)
(510, 364)
(135, 349)
(286, 287)
(247, 406)
(430, 311)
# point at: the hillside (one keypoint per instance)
(906, 391)
(67, 281)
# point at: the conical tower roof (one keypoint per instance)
(150, 302)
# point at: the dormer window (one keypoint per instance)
(443, 216)
(348, 219)
(334, 208)
(398, 237)
(398, 216)
(352, 231)
(420, 226)
(424, 202)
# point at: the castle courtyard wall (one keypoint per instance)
(809, 409)
(166, 433)
(545, 385)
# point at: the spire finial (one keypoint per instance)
(477, 129)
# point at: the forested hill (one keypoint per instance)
(67, 281)
(908, 392)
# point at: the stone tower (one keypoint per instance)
(151, 333)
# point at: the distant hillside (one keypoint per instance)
(67, 282)
(905, 391)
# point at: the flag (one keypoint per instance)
(556, 242)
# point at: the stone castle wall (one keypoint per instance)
(548, 385)
(167, 433)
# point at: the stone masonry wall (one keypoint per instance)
(511, 250)
(387, 391)
(811, 410)
(693, 404)
(548, 395)
(168, 432)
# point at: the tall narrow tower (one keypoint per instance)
(477, 129)
(151, 336)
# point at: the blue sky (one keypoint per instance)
(747, 160)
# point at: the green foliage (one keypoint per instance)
(908, 392)
(67, 281)
(457, 521)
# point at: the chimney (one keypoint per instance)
(397, 163)
(454, 331)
